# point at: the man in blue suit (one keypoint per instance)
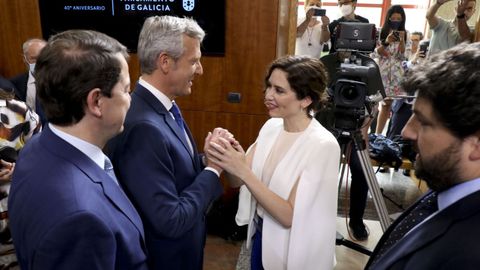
(440, 231)
(67, 210)
(156, 157)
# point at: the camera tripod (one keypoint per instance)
(375, 191)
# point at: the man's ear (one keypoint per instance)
(94, 102)
(164, 62)
(475, 146)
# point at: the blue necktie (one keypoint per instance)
(109, 170)
(177, 115)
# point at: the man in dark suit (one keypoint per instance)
(67, 210)
(25, 89)
(440, 231)
(156, 157)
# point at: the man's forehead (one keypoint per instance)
(423, 107)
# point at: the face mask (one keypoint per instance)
(395, 24)
(31, 67)
(346, 10)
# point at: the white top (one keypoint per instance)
(309, 43)
(31, 92)
(312, 160)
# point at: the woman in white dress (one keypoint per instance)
(289, 175)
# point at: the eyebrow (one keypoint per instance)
(422, 117)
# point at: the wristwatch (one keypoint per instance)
(461, 16)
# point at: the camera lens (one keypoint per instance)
(349, 92)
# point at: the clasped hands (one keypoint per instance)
(224, 152)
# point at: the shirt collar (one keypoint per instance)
(457, 192)
(167, 103)
(90, 150)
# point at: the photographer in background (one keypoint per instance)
(417, 51)
(394, 40)
(446, 34)
(402, 108)
(347, 9)
(359, 187)
(312, 34)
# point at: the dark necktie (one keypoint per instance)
(177, 115)
(109, 170)
(426, 207)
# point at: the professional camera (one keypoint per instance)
(355, 84)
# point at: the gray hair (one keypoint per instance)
(29, 42)
(164, 34)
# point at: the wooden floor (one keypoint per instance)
(222, 255)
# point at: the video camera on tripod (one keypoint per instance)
(355, 84)
(354, 88)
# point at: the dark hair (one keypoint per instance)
(386, 26)
(450, 80)
(306, 76)
(417, 33)
(72, 64)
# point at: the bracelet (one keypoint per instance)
(461, 16)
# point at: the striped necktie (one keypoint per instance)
(109, 170)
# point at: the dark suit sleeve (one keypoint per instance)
(155, 173)
(80, 241)
(20, 86)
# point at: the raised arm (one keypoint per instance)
(301, 28)
(325, 31)
(462, 25)
(432, 11)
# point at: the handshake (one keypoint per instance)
(224, 152)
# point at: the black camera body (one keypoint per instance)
(355, 84)
(423, 47)
(396, 34)
(319, 12)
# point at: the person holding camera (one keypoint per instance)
(312, 34)
(446, 34)
(402, 107)
(347, 9)
(390, 53)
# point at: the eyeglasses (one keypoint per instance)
(344, 3)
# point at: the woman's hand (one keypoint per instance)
(6, 170)
(391, 37)
(230, 157)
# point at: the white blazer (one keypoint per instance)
(314, 159)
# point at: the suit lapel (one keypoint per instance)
(430, 230)
(150, 99)
(112, 191)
